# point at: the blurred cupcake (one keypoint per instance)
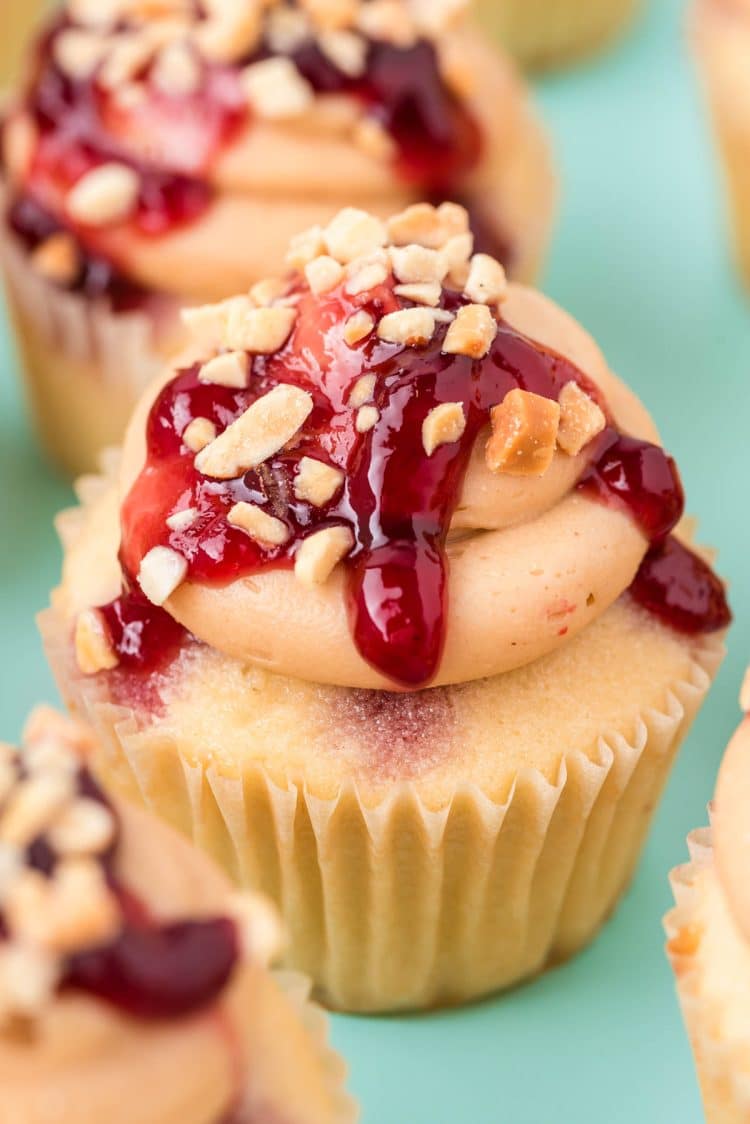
(543, 33)
(721, 40)
(404, 638)
(709, 939)
(125, 958)
(17, 22)
(160, 155)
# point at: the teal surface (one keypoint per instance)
(640, 259)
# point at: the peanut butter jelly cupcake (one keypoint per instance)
(164, 152)
(545, 33)
(721, 39)
(404, 636)
(134, 983)
(709, 939)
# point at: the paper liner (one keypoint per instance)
(402, 906)
(548, 33)
(297, 989)
(725, 1088)
(85, 365)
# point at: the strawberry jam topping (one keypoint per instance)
(171, 141)
(397, 501)
(151, 970)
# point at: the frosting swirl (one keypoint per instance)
(421, 493)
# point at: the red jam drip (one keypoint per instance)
(151, 970)
(397, 501)
(681, 590)
(144, 637)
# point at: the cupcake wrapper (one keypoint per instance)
(544, 33)
(298, 989)
(400, 905)
(725, 1088)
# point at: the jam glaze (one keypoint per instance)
(172, 142)
(150, 970)
(397, 501)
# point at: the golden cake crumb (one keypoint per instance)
(258, 524)
(229, 369)
(471, 333)
(104, 195)
(161, 572)
(257, 434)
(316, 482)
(93, 648)
(581, 419)
(443, 425)
(320, 553)
(524, 434)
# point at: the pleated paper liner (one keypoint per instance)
(722, 1065)
(551, 33)
(398, 905)
(84, 365)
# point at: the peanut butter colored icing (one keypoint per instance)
(219, 137)
(66, 1052)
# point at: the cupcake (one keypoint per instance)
(721, 41)
(16, 24)
(164, 153)
(545, 33)
(125, 957)
(384, 609)
(709, 939)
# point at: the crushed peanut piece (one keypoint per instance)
(33, 805)
(229, 369)
(346, 50)
(320, 553)
(264, 293)
(28, 978)
(93, 647)
(86, 827)
(486, 283)
(208, 323)
(331, 14)
(366, 273)
(231, 32)
(359, 325)
(276, 89)
(471, 333)
(177, 71)
(362, 391)
(316, 482)
(286, 29)
(74, 909)
(443, 425)
(127, 57)
(428, 226)
(456, 253)
(415, 263)
(78, 52)
(304, 247)
(324, 273)
(19, 139)
(199, 433)
(161, 572)
(524, 434)
(182, 520)
(258, 524)
(410, 326)
(261, 331)
(436, 17)
(105, 195)
(264, 428)
(428, 293)
(581, 419)
(353, 234)
(388, 21)
(367, 419)
(56, 259)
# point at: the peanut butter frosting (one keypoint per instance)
(118, 943)
(392, 469)
(180, 148)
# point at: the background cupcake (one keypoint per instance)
(544, 33)
(404, 636)
(709, 940)
(125, 958)
(157, 157)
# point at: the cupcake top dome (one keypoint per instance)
(140, 117)
(391, 468)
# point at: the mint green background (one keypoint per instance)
(640, 259)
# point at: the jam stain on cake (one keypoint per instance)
(396, 735)
(107, 98)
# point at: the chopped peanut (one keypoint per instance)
(229, 369)
(105, 195)
(443, 425)
(416, 264)
(346, 50)
(177, 71)
(86, 827)
(410, 326)
(264, 428)
(161, 572)
(78, 52)
(182, 520)
(304, 247)
(33, 805)
(367, 273)
(367, 419)
(93, 647)
(358, 327)
(57, 259)
(486, 283)
(428, 226)
(316, 482)
(353, 234)
(264, 293)
(362, 391)
(276, 89)
(471, 333)
(427, 292)
(324, 273)
(524, 434)
(320, 553)
(208, 323)
(199, 433)
(581, 419)
(258, 524)
(261, 331)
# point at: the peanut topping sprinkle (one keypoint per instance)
(443, 425)
(263, 429)
(524, 434)
(258, 524)
(581, 419)
(105, 195)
